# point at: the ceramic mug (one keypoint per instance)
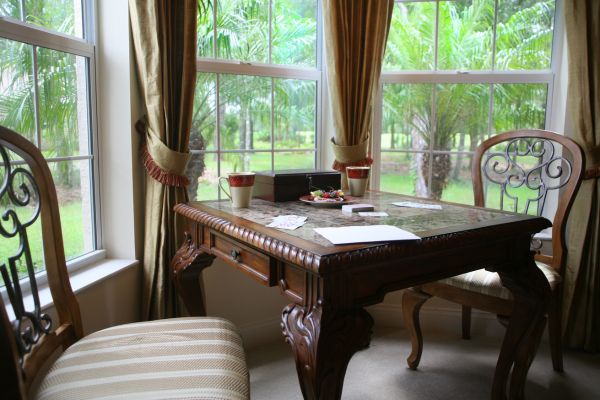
(358, 178)
(240, 188)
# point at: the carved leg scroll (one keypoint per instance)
(186, 272)
(323, 342)
(531, 293)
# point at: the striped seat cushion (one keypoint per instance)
(179, 358)
(489, 283)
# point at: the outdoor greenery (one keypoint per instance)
(447, 118)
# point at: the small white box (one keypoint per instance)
(357, 207)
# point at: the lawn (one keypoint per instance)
(73, 236)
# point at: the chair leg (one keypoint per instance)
(466, 322)
(412, 300)
(555, 335)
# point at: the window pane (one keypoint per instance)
(17, 110)
(462, 116)
(465, 34)
(399, 173)
(245, 112)
(203, 132)
(519, 106)
(460, 185)
(64, 16)
(11, 8)
(206, 32)
(295, 32)
(10, 246)
(410, 44)
(524, 34)
(295, 113)
(243, 30)
(295, 160)
(73, 188)
(202, 171)
(63, 99)
(406, 116)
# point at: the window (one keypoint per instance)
(455, 73)
(46, 87)
(258, 88)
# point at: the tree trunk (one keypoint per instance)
(439, 178)
(459, 158)
(196, 165)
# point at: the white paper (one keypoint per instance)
(365, 234)
(373, 214)
(290, 222)
(413, 204)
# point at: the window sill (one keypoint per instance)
(81, 279)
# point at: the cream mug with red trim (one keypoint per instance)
(358, 178)
(240, 188)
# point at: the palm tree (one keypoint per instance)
(465, 42)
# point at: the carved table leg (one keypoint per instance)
(531, 293)
(186, 272)
(323, 342)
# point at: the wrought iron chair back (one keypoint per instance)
(29, 337)
(520, 171)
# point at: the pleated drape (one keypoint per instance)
(581, 296)
(355, 38)
(164, 37)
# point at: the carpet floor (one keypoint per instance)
(451, 368)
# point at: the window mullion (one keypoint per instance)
(218, 125)
(23, 13)
(36, 98)
(272, 123)
(494, 31)
(433, 133)
(490, 111)
(270, 31)
(215, 5)
(436, 38)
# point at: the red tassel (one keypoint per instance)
(340, 166)
(162, 176)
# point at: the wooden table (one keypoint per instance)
(328, 286)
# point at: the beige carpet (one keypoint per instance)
(451, 368)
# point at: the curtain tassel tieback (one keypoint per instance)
(163, 164)
(159, 174)
(355, 156)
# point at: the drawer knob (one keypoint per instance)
(235, 254)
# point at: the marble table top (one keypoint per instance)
(422, 222)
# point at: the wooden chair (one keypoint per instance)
(195, 357)
(522, 170)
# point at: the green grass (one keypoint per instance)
(72, 230)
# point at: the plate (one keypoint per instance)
(326, 204)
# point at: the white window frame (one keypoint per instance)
(490, 77)
(37, 36)
(219, 66)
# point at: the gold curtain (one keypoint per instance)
(355, 37)
(581, 300)
(164, 37)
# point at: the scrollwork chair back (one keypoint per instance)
(28, 195)
(530, 172)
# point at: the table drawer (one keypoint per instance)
(257, 265)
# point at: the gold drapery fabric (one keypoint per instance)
(355, 37)
(581, 296)
(164, 37)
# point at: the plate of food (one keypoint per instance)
(327, 198)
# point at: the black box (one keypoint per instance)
(291, 184)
